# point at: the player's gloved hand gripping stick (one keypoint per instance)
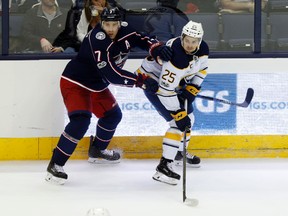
(190, 92)
(145, 82)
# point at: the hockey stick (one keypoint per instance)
(187, 201)
(247, 101)
(184, 160)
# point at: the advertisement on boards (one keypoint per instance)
(141, 119)
(267, 114)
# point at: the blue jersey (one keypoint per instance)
(100, 60)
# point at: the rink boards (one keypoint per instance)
(223, 146)
(33, 120)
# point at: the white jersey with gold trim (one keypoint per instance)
(181, 69)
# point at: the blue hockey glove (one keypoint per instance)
(182, 120)
(148, 84)
(164, 52)
(190, 92)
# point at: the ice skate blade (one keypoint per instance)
(102, 161)
(164, 179)
(55, 180)
(180, 163)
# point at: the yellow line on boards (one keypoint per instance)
(143, 147)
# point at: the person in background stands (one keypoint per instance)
(191, 8)
(199, 6)
(239, 6)
(67, 39)
(41, 25)
(90, 16)
(165, 21)
(25, 5)
(84, 87)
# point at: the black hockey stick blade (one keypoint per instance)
(247, 101)
(248, 98)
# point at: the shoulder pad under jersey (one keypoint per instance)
(170, 42)
(204, 49)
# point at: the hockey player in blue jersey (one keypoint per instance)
(84, 87)
(179, 79)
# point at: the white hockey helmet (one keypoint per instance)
(193, 29)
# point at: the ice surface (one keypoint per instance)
(224, 187)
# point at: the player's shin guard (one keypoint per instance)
(74, 131)
(104, 132)
(171, 143)
(164, 171)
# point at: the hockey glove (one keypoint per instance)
(182, 120)
(148, 84)
(190, 92)
(164, 52)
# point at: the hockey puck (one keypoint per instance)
(98, 212)
(191, 202)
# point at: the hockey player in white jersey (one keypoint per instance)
(179, 79)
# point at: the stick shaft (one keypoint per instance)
(247, 101)
(184, 158)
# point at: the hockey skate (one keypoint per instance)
(56, 174)
(164, 172)
(191, 160)
(102, 156)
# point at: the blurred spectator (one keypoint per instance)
(207, 6)
(67, 39)
(42, 24)
(165, 21)
(239, 6)
(67, 4)
(25, 5)
(191, 8)
(90, 16)
(199, 6)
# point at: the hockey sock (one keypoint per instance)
(106, 128)
(74, 131)
(171, 143)
(187, 141)
(64, 149)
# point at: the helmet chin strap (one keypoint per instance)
(192, 53)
